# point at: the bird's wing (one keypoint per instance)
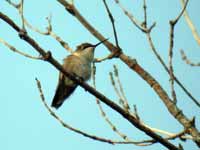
(65, 86)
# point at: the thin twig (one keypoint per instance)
(153, 48)
(190, 24)
(13, 4)
(171, 45)
(188, 93)
(116, 73)
(112, 22)
(116, 89)
(122, 135)
(64, 124)
(18, 51)
(187, 61)
(103, 114)
(48, 57)
(174, 110)
(134, 20)
(110, 56)
(49, 30)
(21, 12)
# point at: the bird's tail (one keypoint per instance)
(62, 93)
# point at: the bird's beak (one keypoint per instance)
(100, 42)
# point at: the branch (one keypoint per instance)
(171, 45)
(12, 48)
(103, 114)
(170, 136)
(190, 24)
(48, 57)
(112, 22)
(163, 63)
(94, 137)
(134, 20)
(153, 48)
(187, 61)
(132, 63)
(116, 73)
(49, 28)
(52, 113)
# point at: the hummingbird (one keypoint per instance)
(79, 64)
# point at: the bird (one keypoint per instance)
(78, 64)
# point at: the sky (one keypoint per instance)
(25, 122)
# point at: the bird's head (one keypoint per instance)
(86, 50)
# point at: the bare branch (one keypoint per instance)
(134, 20)
(116, 89)
(133, 65)
(13, 4)
(18, 51)
(153, 48)
(21, 12)
(48, 57)
(49, 30)
(52, 113)
(110, 56)
(103, 114)
(112, 22)
(116, 73)
(171, 45)
(122, 135)
(187, 61)
(190, 24)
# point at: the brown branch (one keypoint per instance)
(52, 113)
(13, 4)
(193, 132)
(132, 63)
(171, 45)
(165, 66)
(110, 56)
(21, 12)
(167, 70)
(187, 61)
(134, 20)
(48, 57)
(12, 48)
(190, 24)
(50, 32)
(170, 136)
(116, 73)
(49, 28)
(121, 101)
(119, 91)
(112, 22)
(103, 114)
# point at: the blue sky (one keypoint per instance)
(26, 124)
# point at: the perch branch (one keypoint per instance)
(133, 65)
(48, 57)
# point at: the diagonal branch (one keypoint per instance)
(153, 48)
(171, 45)
(187, 61)
(65, 124)
(134, 20)
(12, 48)
(133, 65)
(49, 28)
(112, 22)
(190, 24)
(48, 57)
